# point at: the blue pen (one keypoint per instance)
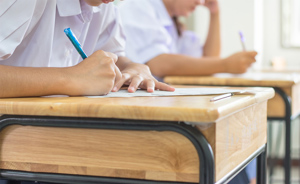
(242, 40)
(75, 42)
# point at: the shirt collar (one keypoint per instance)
(162, 12)
(76, 7)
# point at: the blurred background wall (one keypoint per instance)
(261, 22)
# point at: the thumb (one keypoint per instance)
(252, 53)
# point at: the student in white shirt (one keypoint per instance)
(154, 38)
(36, 57)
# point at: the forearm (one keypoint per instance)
(180, 65)
(27, 81)
(212, 46)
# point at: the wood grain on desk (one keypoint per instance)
(110, 153)
(183, 108)
(235, 128)
(288, 82)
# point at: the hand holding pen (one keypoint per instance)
(95, 75)
(239, 62)
(105, 75)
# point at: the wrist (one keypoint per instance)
(224, 65)
(215, 14)
(68, 84)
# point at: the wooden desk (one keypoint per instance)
(132, 140)
(284, 106)
(291, 69)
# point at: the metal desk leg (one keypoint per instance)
(261, 168)
(288, 114)
(274, 159)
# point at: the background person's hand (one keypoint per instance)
(239, 62)
(96, 75)
(212, 5)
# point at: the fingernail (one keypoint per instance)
(115, 88)
(150, 90)
(131, 89)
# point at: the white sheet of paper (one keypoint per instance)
(177, 92)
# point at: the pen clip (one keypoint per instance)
(221, 97)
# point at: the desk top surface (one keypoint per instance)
(176, 108)
(290, 69)
(268, 78)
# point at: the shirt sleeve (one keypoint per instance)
(190, 44)
(251, 170)
(15, 18)
(112, 39)
(146, 37)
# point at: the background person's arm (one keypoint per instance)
(212, 46)
(181, 65)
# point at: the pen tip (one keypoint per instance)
(242, 36)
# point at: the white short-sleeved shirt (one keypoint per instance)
(150, 31)
(32, 31)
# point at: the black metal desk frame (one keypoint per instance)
(207, 165)
(287, 119)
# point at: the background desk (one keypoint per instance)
(112, 139)
(294, 69)
(285, 105)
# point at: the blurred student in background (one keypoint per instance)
(156, 37)
(36, 57)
